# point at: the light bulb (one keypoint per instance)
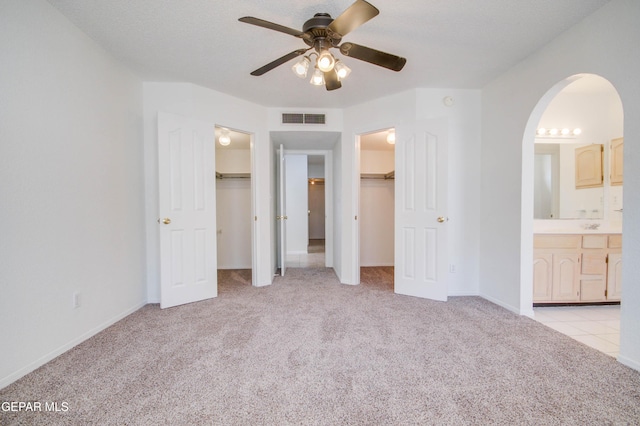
(342, 70)
(542, 131)
(577, 131)
(326, 61)
(565, 132)
(301, 67)
(317, 79)
(391, 137)
(553, 132)
(224, 139)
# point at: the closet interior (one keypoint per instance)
(233, 199)
(377, 198)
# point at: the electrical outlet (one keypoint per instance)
(452, 268)
(76, 300)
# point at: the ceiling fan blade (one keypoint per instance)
(271, 26)
(279, 61)
(376, 57)
(354, 16)
(331, 81)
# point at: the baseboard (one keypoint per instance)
(514, 309)
(463, 293)
(6, 381)
(377, 264)
(629, 362)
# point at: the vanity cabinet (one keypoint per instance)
(575, 268)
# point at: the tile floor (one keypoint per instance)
(314, 258)
(595, 326)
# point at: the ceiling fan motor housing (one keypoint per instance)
(318, 32)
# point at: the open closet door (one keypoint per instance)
(186, 172)
(282, 216)
(421, 256)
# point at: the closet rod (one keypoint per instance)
(384, 176)
(233, 175)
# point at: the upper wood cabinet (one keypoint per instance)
(617, 146)
(589, 166)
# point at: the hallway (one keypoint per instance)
(314, 258)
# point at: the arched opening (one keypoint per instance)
(572, 211)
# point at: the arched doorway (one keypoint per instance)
(582, 114)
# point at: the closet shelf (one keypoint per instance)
(233, 175)
(385, 176)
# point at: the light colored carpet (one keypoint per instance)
(308, 350)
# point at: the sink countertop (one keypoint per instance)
(575, 230)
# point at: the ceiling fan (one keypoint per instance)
(322, 33)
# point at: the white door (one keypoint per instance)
(188, 262)
(282, 216)
(421, 212)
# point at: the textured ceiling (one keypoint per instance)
(447, 43)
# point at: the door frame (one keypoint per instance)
(355, 240)
(328, 198)
(254, 223)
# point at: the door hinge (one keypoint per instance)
(605, 292)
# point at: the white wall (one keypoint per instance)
(233, 222)
(218, 109)
(71, 184)
(376, 161)
(377, 204)
(233, 160)
(297, 203)
(602, 44)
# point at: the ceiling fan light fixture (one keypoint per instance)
(342, 70)
(317, 79)
(301, 67)
(326, 61)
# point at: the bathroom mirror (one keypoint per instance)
(555, 192)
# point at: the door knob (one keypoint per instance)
(441, 219)
(166, 221)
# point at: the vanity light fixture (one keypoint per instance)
(557, 133)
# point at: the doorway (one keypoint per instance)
(234, 224)
(377, 206)
(582, 114)
(377, 198)
(316, 252)
(318, 149)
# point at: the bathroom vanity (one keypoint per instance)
(581, 267)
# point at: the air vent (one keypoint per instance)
(314, 119)
(289, 118)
